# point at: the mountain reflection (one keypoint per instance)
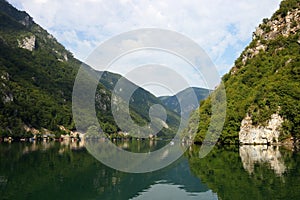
(52, 170)
(248, 172)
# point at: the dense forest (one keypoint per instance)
(265, 79)
(37, 76)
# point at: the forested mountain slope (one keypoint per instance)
(263, 87)
(37, 75)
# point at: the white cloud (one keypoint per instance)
(221, 27)
(40, 1)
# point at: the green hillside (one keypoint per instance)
(27, 97)
(37, 75)
(265, 79)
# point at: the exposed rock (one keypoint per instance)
(269, 134)
(252, 155)
(234, 69)
(270, 30)
(27, 21)
(31, 130)
(5, 91)
(28, 43)
(49, 36)
(46, 131)
(62, 128)
(5, 76)
(258, 33)
(66, 57)
(7, 98)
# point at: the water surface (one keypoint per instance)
(67, 171)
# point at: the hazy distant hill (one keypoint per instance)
(173, 102)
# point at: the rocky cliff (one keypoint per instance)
(270, 29)
(263, 86)
(280, 25)
(27, 43)
(259, 134)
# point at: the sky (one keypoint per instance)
(222, 28)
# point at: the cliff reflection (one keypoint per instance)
(248, 172)
(64, 145)
(259, 154)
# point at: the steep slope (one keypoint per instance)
(263, 87)
(141, 100)
(36, 81)
(173, 102)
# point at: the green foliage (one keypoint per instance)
(35, 102)
(36, 86)
(285, 7)
(140, 104)
(266, 84)
(223, 171)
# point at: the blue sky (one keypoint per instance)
(223, 28)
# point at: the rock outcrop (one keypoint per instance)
(265, 79)
(27, 21)
(250, 134)
(28, 43)
(269, 30)
(31, 130)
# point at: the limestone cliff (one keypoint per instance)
(250, 134)
(264, 78)
(28, 43)
(270, 29)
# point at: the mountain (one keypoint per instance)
(141, 99)
(174, 102)
(37, 75)
(263, 87)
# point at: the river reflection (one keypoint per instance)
(249, 172)
(259, 154)
(67, 171)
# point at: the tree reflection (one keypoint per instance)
(251, 172)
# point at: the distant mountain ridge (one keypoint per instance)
(173, 102)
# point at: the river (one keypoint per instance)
(53, 170)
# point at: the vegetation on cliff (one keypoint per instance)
(264, 80)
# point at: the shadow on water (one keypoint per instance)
(67, 171)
